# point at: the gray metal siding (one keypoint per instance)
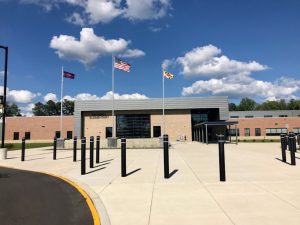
(261, 114)
(220, 102)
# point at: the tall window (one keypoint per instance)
(257, 132)
(16, 136)
(156, 131)
(69, 134)
(108, 132)
(133, 126)
(27, 135)
(247, 131)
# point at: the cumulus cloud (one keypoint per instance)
(238, 86)
(50, 96)
(19, 96)
(108, 95)
(27, 110)
(133, 53)
(207, 61)
(104, 11)
(147, 9)
(90, 47)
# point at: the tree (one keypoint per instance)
(232, 107)
(247, 104)
(39, 109)
(68, 107)
(52, 108)
(294, 104)
(12, 110)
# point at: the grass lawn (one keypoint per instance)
(18, 146)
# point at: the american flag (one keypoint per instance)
(122, 65)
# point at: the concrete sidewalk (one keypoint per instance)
(260, 189)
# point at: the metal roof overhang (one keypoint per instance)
(216, 123)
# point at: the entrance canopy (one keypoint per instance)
(208, 131)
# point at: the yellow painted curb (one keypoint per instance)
(87, 198)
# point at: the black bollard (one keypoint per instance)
(91, 152)
(292, 150)
(23, 150)
(75, 149)
(98, 149)
(286, 142)
(283, 147)
(54, 148)
(83, 140)
(222, 158)
(166, 156)
(123, 157)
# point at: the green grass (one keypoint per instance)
(18, 146)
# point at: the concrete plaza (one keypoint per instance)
(260, 189)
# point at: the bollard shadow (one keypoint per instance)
(103, 164)
(64, 157)
(95, 170)
(106, 160)
(33, 159)
(283, 161)
(297, 157)
(132, 172)
(172, 173)
(12, 157)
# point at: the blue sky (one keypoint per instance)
(213, 47)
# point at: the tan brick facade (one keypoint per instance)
(40, 127)
(178, 122)
(264, 123)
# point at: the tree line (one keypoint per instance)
(49, 108)
(248, 104)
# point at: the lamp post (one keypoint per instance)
(4, 95)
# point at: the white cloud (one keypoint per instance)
(207, 61)
(238, 86)
(146, 9)
(104, 11)
(108, 95)
(21, 96)
(133, 53)
(89, 47)
(50, 96)
(76, 19)
(27, 110)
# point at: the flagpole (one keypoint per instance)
(113, 91)
(61, 102)
(163, 84)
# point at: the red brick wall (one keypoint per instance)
(40, 127)
(263, 123)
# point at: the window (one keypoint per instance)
(133, 126)
(234, 116)
(69, 134)
(108, 132)
(247, 131)
(283, 116)
(248, 116)
(268, 115)
(257, 132)
(16, 135)
(234, 132)
(57, 134)
(296, 130)
(156, 131)
(27, 135)
(276, 131)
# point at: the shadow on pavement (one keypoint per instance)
(172, 173)
(95, 170)
(282, 161)
(132, 172)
